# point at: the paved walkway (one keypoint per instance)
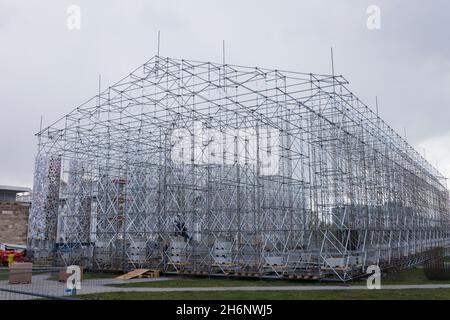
(41, 285)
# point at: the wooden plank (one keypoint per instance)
(133, 274)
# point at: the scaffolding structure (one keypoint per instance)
(207, 168)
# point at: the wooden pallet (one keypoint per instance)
(140, 273)
(301, 276)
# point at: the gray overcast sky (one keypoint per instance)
(47, 69)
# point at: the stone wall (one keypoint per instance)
(13, 222)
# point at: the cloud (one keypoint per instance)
(437, 152)
(48, 70)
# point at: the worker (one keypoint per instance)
(181, 229)
(10, 259)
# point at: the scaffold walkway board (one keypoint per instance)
(140, 273)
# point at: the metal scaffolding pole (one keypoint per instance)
(206, 168)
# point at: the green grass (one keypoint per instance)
(91, 275)
(99, 275)
(408, 276)
(214, 282)
(406, 294)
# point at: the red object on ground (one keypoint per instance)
(18, 255)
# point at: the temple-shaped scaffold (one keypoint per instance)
(205, 168)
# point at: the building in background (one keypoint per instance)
(12, 194)
(14, 210)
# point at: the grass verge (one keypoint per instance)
(408, 276)
(405, 294)
(213, 282)
(90, 275)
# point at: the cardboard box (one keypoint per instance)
(20, 272)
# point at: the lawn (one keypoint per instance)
(405, 294)
(100, 275)
(408, 276)
(91, 275)
(214, 282)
